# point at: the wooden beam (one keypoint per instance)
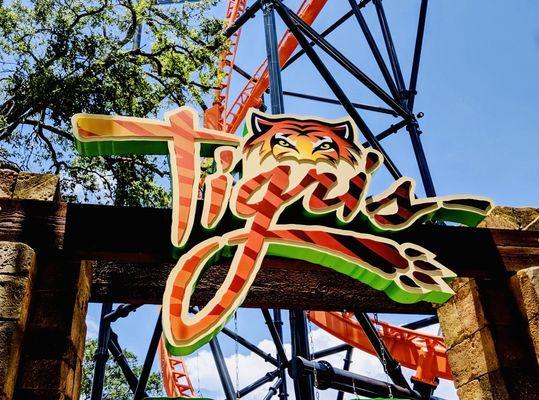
(130, 234)
(132, 247)
(280, 283)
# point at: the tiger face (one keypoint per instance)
(302, 140)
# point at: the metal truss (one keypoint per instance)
(398, 99)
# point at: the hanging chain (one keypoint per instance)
(384, 361)
(353, 382)
(354, 388)
(311, 342)
(237, 354)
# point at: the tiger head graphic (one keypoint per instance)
(304, 140)
(305, 143)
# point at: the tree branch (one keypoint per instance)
(51, 129)
(52, 152)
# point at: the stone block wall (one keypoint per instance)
(43, 302)
(490, 326)
(525, 287)
(17, 271)
(29, 186)
(53, 345)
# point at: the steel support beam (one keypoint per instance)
(389, 131)
(337, 90)
(303, 384)
(413, 127)
(325, 32)
(374, 49)
(222, 370)
(275, 337)
(272, 391)
(348, 65)
(422, 323)
(148, 361)
(333, 378)
(101, 354)
(330, 351)
(404, 96)
(417, 53)
(390, 47)
(346, 367)
(260, 382)
(278, 321)
(272, 51)
(277, 107)
(359, 106)
(249, 346)
(392, 367)
(419, 151)
(122, 311)
(243, 18)
(120, 359)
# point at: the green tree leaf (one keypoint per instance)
(115, 386)
(62, 57)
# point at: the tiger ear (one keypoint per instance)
(259, 123)
(344, 129)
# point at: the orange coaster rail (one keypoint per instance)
(214, 115)
(174, 374)
(229, 119)
(424, 353)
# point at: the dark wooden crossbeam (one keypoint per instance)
(132, 254)
(279, 284)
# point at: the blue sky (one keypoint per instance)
(479, 90)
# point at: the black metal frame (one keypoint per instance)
(391, 366)
(345, 381)
(399, 103)
(101, 354)
(299, 373)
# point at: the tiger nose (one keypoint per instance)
(305, 149)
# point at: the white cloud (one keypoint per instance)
(251, 367)
(92, 327)
(204, 375)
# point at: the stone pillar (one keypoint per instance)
(525, 286)
(53, 345)
(17, 268)
(50, 358)
(488, 339)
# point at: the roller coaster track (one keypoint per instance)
(426, 354)
(229, 119)
(176, 381)
(213, 116)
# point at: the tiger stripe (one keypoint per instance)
(380, 257)
(406, 272)
(184, 137)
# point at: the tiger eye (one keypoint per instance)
(283, 143)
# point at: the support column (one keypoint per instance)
(277, 107)
(525, 286)
(53, 346)
(17, 268)
(525, 283)
(51, 296)
(488, 339)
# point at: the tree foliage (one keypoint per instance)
(61, 57)
(115, 386)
